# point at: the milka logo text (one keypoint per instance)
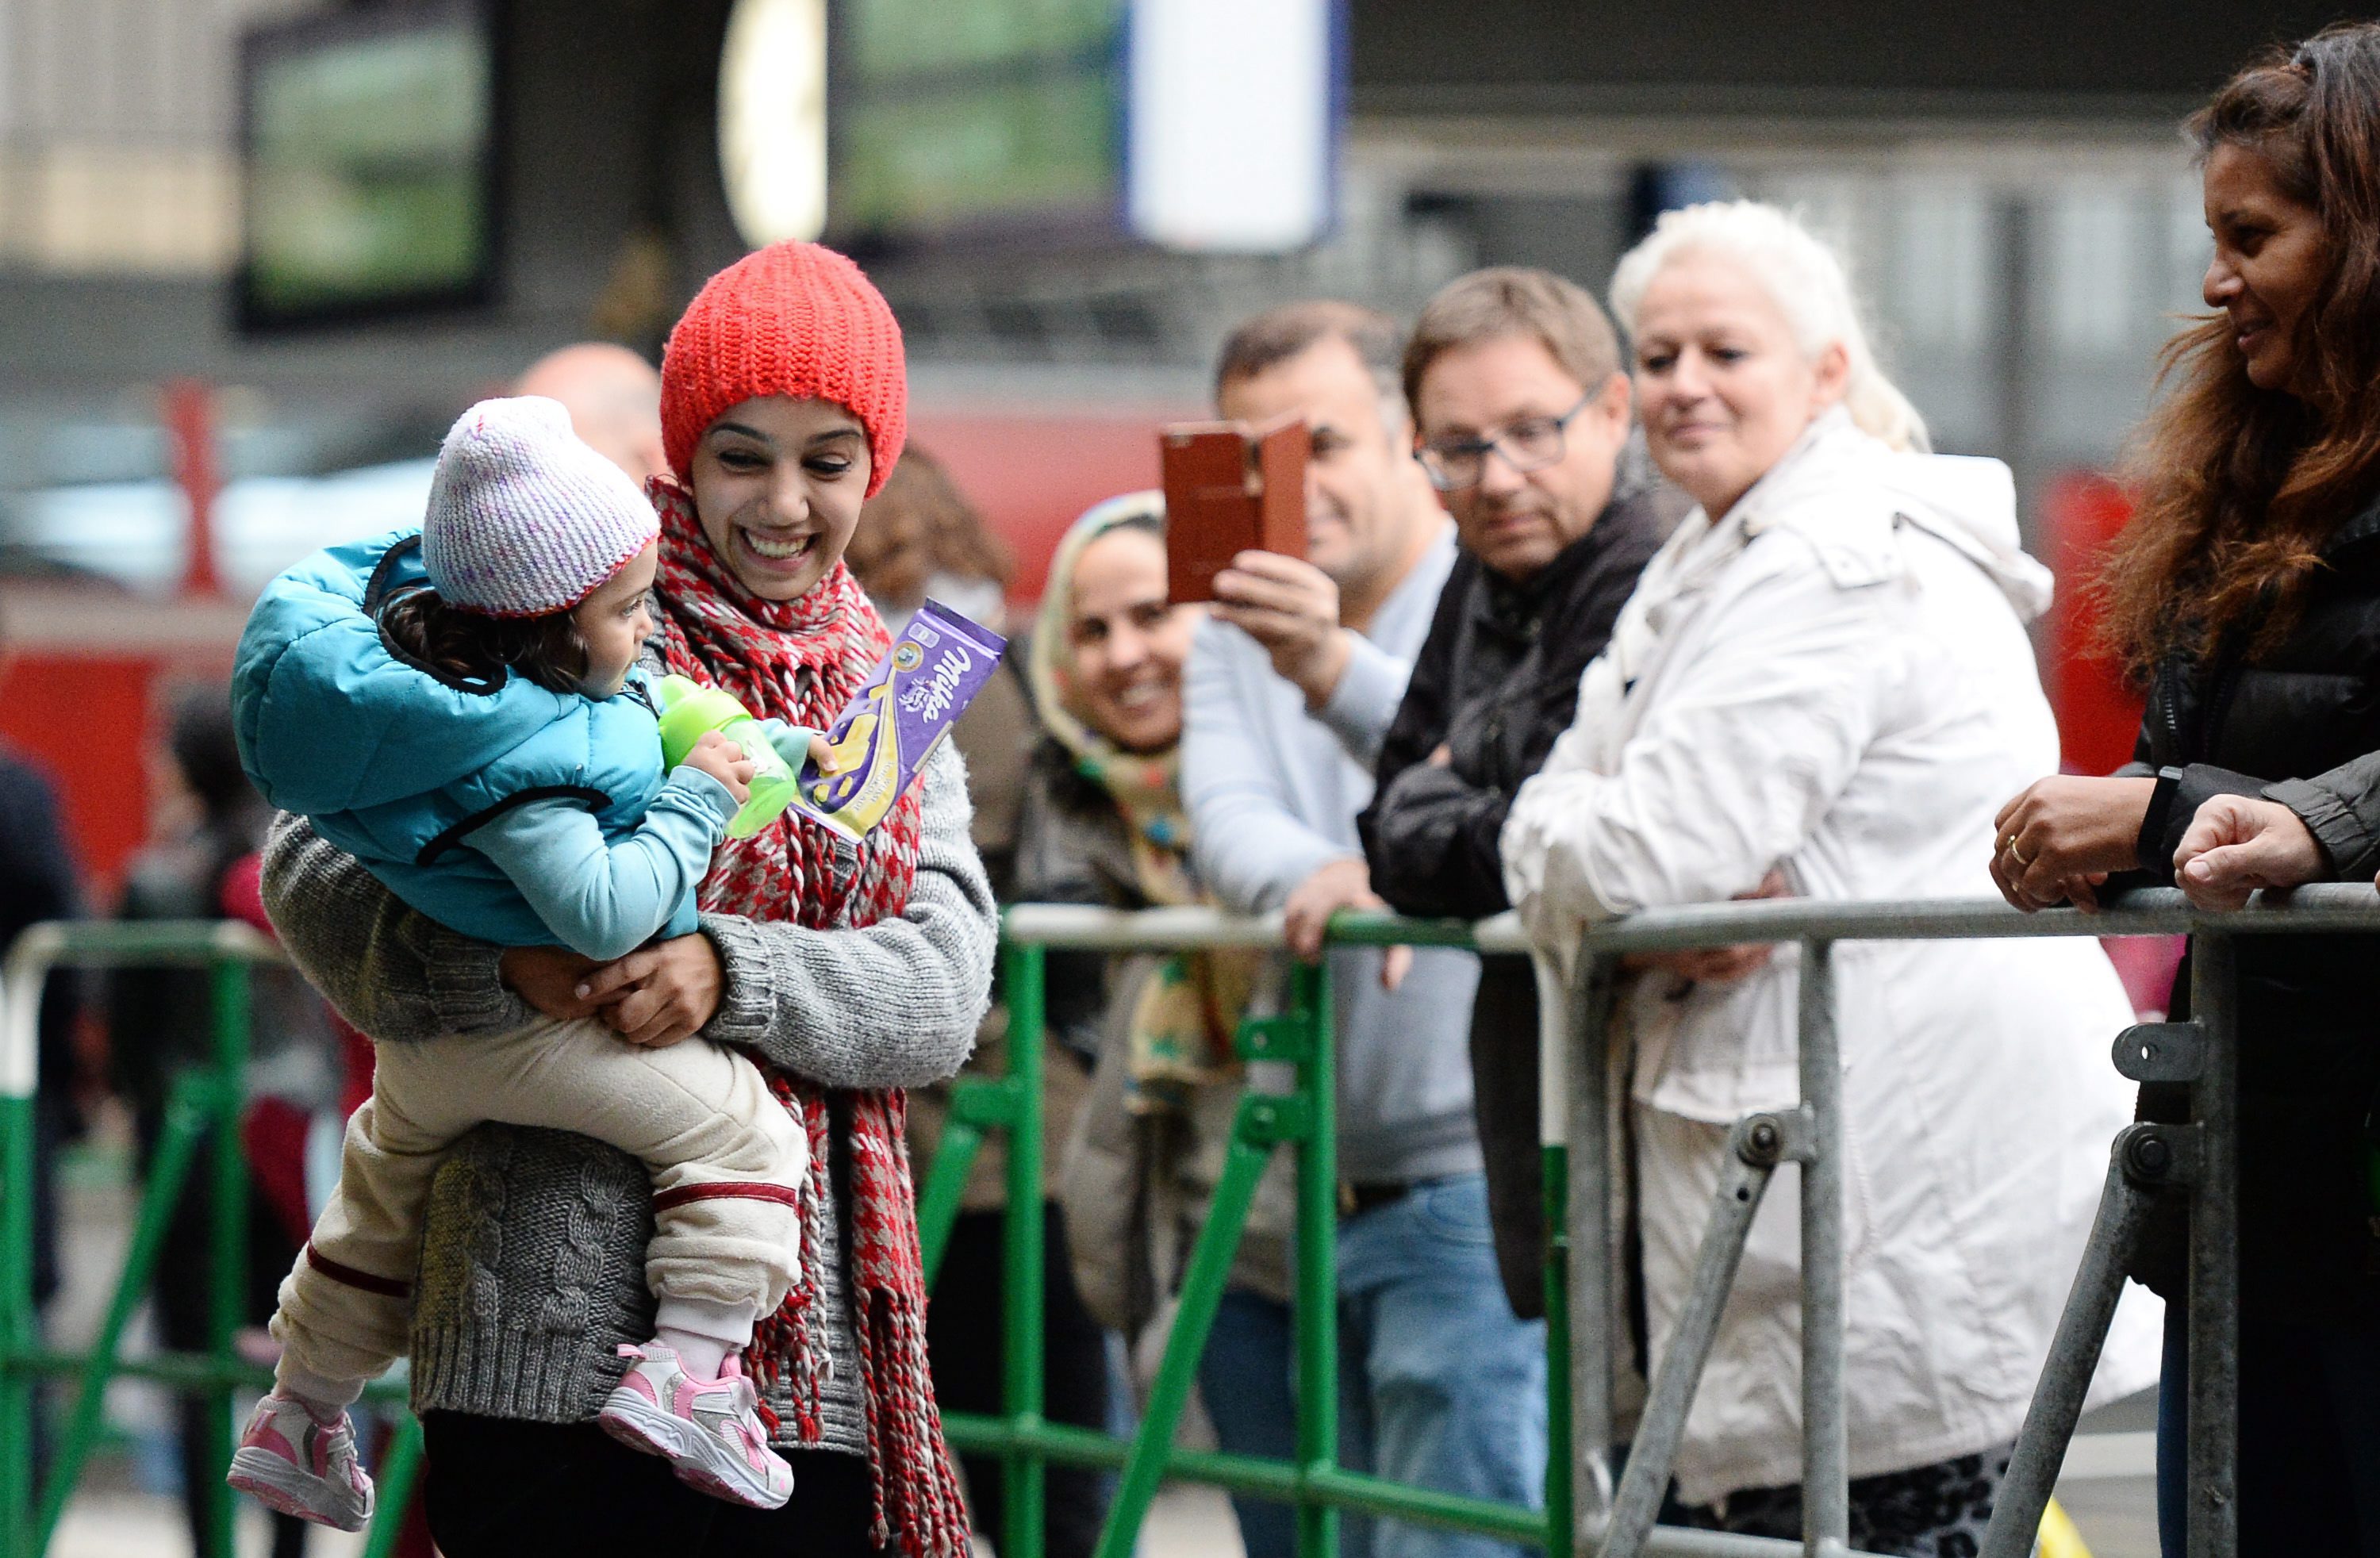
(931, 700)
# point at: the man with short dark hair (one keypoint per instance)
(1523, 425)
(1369, 517)
(1291, 686)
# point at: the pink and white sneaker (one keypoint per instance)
(708, 1430)
(292, 1461)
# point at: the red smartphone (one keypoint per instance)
(1230, 488)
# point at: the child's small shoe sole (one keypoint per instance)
(693, 1453)
(282, 1486)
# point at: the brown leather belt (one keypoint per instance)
(1358, 1196)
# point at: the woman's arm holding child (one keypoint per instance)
(894, 1004)
(396, 974)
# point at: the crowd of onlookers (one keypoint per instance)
(1582, 636)
(1597, 613)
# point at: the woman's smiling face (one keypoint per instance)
(1126, 645)
(2270, 258)
(1725, 389)
(777, 487)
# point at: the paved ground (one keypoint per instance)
(2114, 1517)
(2115, 1505)
(2107, 1491)
(124, 1523)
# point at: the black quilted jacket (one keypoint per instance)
(2308, 1009)
(1497, 683)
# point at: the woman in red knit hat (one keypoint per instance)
(851, 972)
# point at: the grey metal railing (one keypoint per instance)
(2197, 1157)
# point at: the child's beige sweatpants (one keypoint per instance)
(727, 1159)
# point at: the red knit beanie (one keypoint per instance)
(793, 318)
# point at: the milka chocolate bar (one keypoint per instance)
(933, 670)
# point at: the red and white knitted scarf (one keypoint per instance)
(802, 661)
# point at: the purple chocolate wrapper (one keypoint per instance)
(932, 672)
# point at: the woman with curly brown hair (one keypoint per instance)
(2246, 594)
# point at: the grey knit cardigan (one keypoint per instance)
(532, 1268)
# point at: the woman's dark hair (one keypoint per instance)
(474, 652)
(2240, 487)
(1146, 524)
(198, 735)
(919, 524)
(196, 729)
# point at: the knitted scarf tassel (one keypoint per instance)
(918, 1495)
(917, 1501)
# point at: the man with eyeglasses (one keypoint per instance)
(1521, 416)
(1291, 686)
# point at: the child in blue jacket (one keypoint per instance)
(461, 709)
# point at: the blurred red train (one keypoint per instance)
(85, 665)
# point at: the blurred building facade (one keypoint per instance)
(2022, 213)
(2011, 184)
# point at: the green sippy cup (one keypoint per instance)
(689, 710)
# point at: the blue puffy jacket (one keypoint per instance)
(397, 764)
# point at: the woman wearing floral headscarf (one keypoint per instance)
(1103, 823)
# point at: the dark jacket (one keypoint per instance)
(37, 883)
(2308, 1026)
(996, 735)
(1497, 684)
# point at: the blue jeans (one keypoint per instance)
(1440, 1385)
(2309, 1440)
(1247, 1377)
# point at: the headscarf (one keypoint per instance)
(1181, 1028)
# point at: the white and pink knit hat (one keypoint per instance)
(525, 520)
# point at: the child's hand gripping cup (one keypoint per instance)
(916, 692)
(690, 711)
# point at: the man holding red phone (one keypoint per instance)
(1291, 686)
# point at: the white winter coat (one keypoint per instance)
(1834, 679)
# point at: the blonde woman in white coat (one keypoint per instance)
(1824, 679)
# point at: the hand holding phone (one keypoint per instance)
(1291, 608)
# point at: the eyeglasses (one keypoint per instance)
(1526, 444)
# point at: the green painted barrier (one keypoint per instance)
(1301, 1121)
(206, 1102)
(203, 1107)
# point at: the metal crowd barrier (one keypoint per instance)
(1300, 1037)
(1585, 1513)
(2198, 1157)
(204, 1105)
